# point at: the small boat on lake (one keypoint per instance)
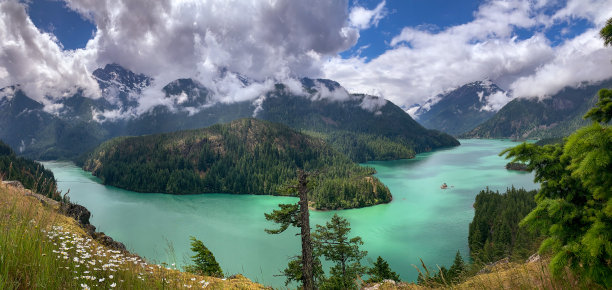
(444, 186)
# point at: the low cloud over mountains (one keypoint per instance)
(221, 43)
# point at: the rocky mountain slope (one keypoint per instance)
(460, 110)
(555, 116)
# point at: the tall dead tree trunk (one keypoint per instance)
(307, 271)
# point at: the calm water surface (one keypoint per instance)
(423, 221)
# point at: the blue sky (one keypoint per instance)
(73, 31)
(407, 51)
(70, 28)
(430, 14)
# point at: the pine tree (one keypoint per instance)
(332, 242)
(381, 271)
(204, 260)
(574, 205)
(602, 112)
(457, 268)
(297, 215)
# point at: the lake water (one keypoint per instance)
(423, 221)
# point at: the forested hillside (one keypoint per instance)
(31, 174)
(495, 233)
(247, 156)
(379, 131)
(555, 116)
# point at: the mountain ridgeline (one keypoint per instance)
(553, 117)
(246, 156)
(363, 127)
(460, 110)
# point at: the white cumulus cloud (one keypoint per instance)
(35, 61)
(209, 41)
(363, 18)
(218, 42)
(420, 64)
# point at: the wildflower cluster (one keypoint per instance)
(96, 266)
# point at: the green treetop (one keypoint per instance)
(458, 267)
(204, 260)
(602, 112)
(606, 33)
(381, 271)
(332, 242)
(574, 204)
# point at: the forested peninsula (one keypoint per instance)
(246, 156)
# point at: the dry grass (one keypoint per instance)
(535, 275)
(41, 249)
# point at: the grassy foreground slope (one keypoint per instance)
(528, 275)
(246, 156)
(42, 249)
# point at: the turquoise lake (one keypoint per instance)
(423, 221)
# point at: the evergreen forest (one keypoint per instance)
(247, 156)
(31, 174)
(495, 233)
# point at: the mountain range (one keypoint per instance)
(467, 112)
(541, 118)
(459, 110)
(362, 126)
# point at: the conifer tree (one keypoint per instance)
(606, 33)
(574, 205)
(381, 271)
(297, 215)
(204, 260)
(332, 242)
(457, 268)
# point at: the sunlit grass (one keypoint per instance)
(534, 275)
(41, 249)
